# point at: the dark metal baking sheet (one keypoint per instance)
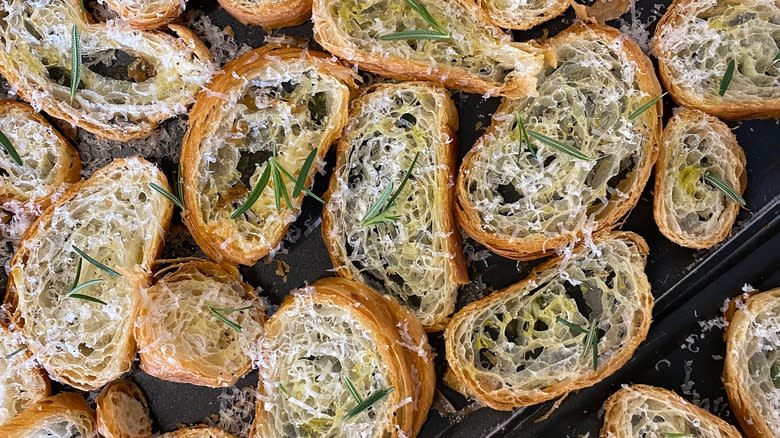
(689, 286)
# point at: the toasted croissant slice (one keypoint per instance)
(270, 101)
(522, 14)
(477, 58)
(642, 411)
(689, 211)
(198, 324)
(147, 14)
(161, 73)
(122, 411)
(522, 201)
(328, 337)
(417, 258)
(65, 415)
(695, 42)
(198, 432)
(269, 13)
(119, 221)
(751, 372)
(48, 160)
(21, 382)
(570, 324)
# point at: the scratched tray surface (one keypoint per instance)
(679, 277)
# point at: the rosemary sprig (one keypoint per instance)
(363, 404)
(677, 435)
(380, 212)
(420, 34)
(522, 136)
(9, 149)
(777, 59)
(715, 181)
(591, 342)
(15, 352)
(775, 374)
(727, 77)
(171, 197)
(76, 287)
(84, 285)
(549, 141)
(217, 311)
(87, 298)
(352, 390)
(96, 263)
(284, 390)
(639, 111)
(75, 62)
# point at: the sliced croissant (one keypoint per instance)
(122, 411)
(478, 57)
(751, 372)
(328, 335)
(198, 432)
(417, 258)
(117, 219)
(689, 211)
(48, 160)
(65, 415)
(147, 14)
(197, 324)
(286, 100)
(522, 14)
(519, 347)
(524, 202)
(22, 383)
(270, 14)
(641, 411)
(696, 40)
(163, 72)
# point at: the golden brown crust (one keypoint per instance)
(537, 245)
(242, 240)
(268, 13)
(151, 14)
(746, 388)
(122, 411)
(198, 432)
(395, 337)
(732, 163)
(444, 151)
(66, 414)
(601, 11)
(462, 375)
(619, 410)
(523, 18)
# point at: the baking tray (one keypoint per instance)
(690, 286)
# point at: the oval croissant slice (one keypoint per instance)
(642, 411)
(522, 14)
(77, 312)
(270, 106)
(476, 58)
(270, 14)
(570, 324)
(130, 80)
(524, 198)
(122, 411)
(332, 352)
(197, 324)
(197, 432)
(147, 14)
(65, 415)
(688, 210)
(48, 160)
(751, 372)
(415, 255)
(696, 41)
(21, 382)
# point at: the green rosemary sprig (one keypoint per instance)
(728, 75)
(15, 352)
(639, 111)
(218, 312)
(96, 263)
(591, 342)
(75, 62)
(777, 59)
(352, 390)
(87, 298)
(775, 374)
(439, 33)
(715, 181)
(9, 149)
(380, 212)
(549, 141)
(363, 404)
(677, 435)
(522, 136)
(171, 197)
(284, 390)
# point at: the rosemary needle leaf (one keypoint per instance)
(777, 59)
(549, 141)
(301, 181)
(420, 9)
(415, 34)
(368, 402)
(727, 77)
(279, 184)
(232, 324)
(284, 390)
(304, 189)
(376, 210)
(677, 435)
(171, 197)
(639, 111)
(404, 180)
(522, 135)
(83, 286)
(15, 352)
(574, 327)
(87, 298)
(96, 263)
(78, 274)
(724, 187)
(352, 390)
(9, 149)
(75, 59)
(254, 195)
(231, 309)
